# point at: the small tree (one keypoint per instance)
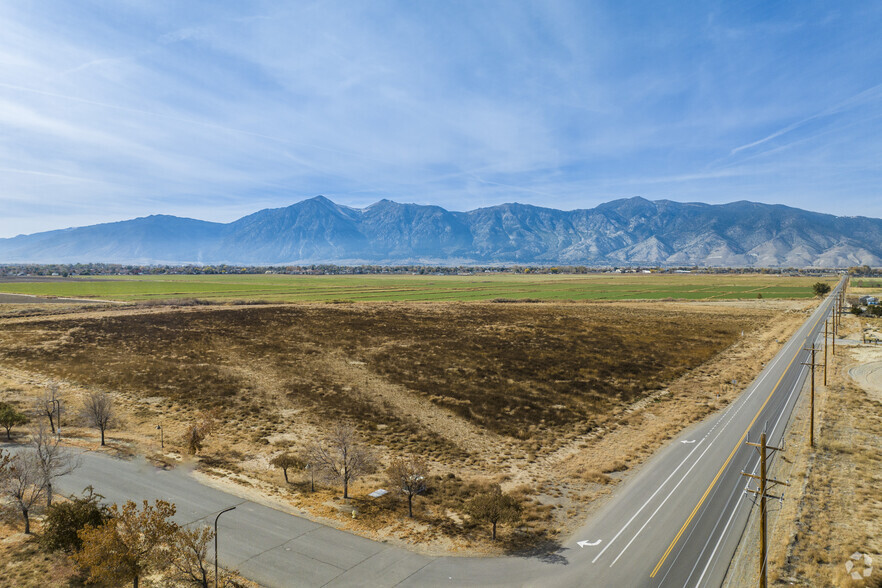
(129, 545)
(49, 403)
(494, 507)
(341, 457)
(98, 411)
(195, 435)
(10, 417)
(190, 563)
(54, 460)
(22, 483)
(285, 461)
(408, 476)
(820, 288)
(64, 520)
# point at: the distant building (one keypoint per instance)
(869, 300)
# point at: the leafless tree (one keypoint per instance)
(341, 457)
(21, 483)
(408, 476)
(54, 460)
(190, 564)
(49, 403)
(98, 411)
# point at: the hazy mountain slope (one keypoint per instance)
(152, 239)
(630, 231)
(312, 229)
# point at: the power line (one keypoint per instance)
(765, 484)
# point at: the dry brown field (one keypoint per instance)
(556, 401)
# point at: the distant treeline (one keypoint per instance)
(109, 269)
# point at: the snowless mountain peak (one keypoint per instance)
(632, 231)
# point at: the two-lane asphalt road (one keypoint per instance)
(675, 522)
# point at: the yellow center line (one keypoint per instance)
(731, 455)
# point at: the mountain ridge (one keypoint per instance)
(632, 231)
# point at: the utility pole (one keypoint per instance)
(825, 353)
(812, 402)
(765, 484)
(841, 297)
(833, 333)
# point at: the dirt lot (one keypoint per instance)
(832, 510)
(555, 401)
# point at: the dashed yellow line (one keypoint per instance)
(722, 469)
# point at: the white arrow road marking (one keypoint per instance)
(584, 544)
(688, 442)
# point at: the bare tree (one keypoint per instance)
(98, 411)
(54, 460)
(190, 564)
(21, 482)
(49, 403)
(341, 457)
(408, 476)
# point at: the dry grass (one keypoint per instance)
(23, 563)
(562, 398)
(833, 507)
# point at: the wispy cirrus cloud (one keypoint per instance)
(215, 109)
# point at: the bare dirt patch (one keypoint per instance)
(869, 377)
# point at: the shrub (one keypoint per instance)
(65, 519)
(820, 288)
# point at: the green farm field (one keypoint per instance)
(284, 288)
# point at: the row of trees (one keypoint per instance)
(27, 476)
(113, 546)
(96, 411)
(341, 458)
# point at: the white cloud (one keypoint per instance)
(212, 109)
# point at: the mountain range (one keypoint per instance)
(632, 231)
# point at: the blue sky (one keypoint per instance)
(112, 110)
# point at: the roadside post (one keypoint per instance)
(215, 541)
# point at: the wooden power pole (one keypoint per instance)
(825, 353)
(812, 402)
(765, 484)
(833, 333)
